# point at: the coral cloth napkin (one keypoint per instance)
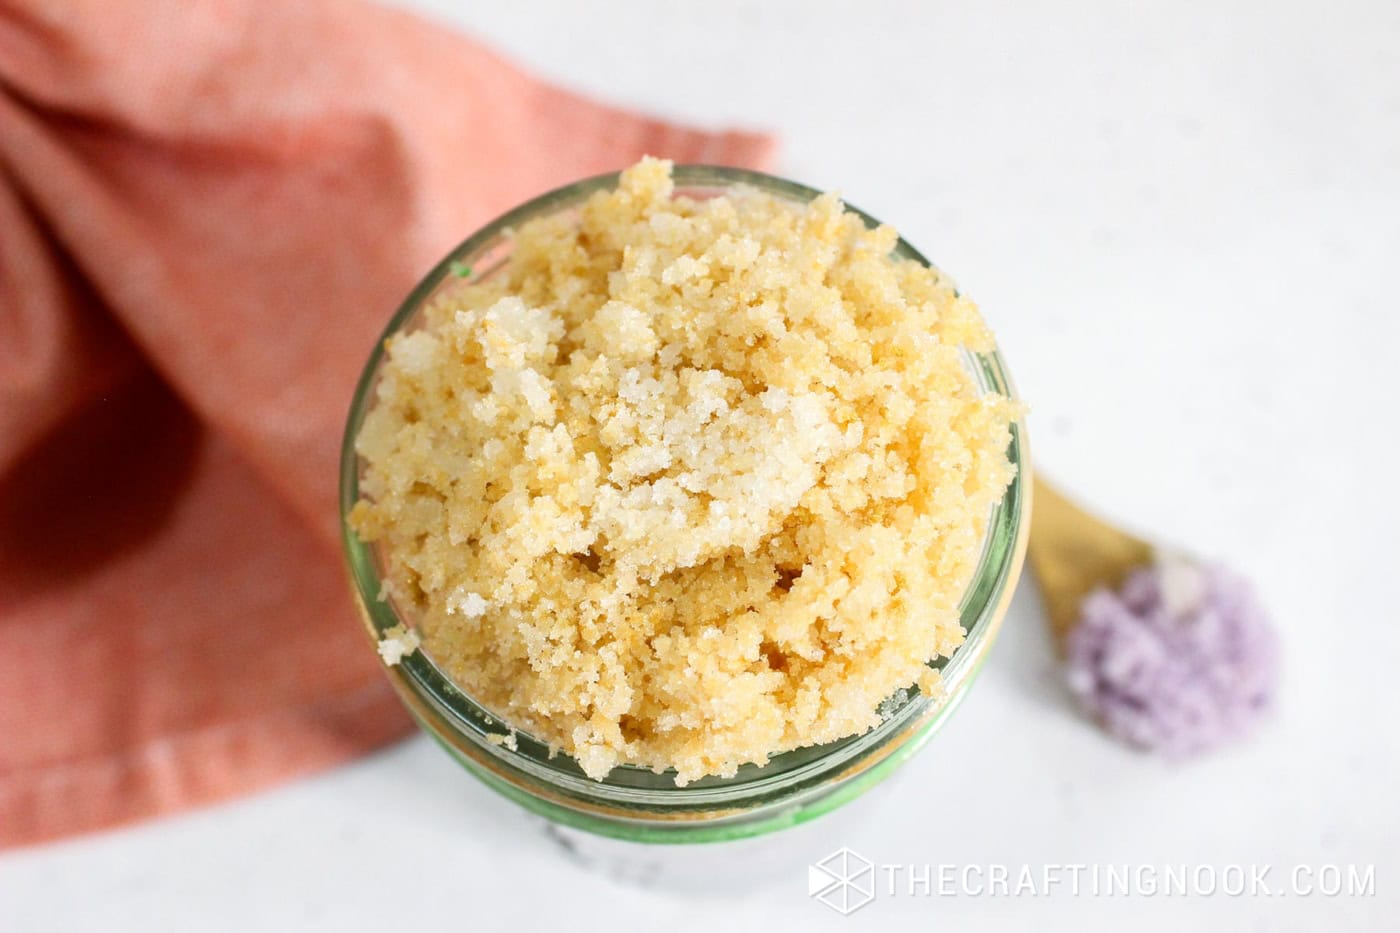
(208, 211)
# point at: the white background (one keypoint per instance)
(1183, 220)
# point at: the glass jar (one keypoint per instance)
(635, 804)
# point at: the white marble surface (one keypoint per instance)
(1183, 219)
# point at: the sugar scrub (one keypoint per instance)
(1181, 659)
(687, 482)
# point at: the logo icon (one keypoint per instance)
(843, 881)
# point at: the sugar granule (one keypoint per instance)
(397, 643)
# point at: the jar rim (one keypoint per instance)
(553, 784)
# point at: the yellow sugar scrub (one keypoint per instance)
(686, 482)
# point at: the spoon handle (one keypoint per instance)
(1073, 553)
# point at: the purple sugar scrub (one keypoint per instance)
(1180, 660)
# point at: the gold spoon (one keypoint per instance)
(1074, 553)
